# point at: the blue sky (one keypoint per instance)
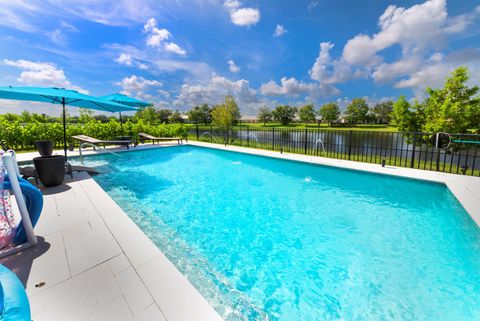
(182, 53)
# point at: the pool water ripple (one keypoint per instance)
(263, 238)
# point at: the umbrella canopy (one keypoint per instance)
(126, 100)
(61, 96)
(64, 97)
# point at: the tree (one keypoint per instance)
(26, 117)
(284, 114)
(307, 114)
(406, 118)
(227, 113)
(200, 114)
(330, 112)
(86, 115)
(175, 118)
(264, 115)
(382, 112)
(147, 114)
(163, 115)
(11, 118)
(455, 108)
(357, 111)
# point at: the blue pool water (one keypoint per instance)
(263, 238)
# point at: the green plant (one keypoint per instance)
(329, 112)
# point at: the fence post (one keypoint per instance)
(273, 138)
(437, 168)
(226, 140)
(305, 139)
(211, 134)
(197, 130)
(412, 161)
(248, 137)
(350, 144)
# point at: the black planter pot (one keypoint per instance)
(50, 169)
(44, 147)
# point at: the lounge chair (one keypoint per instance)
(94, 141)
(144, 137)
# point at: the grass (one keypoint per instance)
(360, 127)
(390, 160)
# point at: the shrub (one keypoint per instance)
(23, 136)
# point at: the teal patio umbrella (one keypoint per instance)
(125, 100)
(62, 97)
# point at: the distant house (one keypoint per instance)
(248, 119)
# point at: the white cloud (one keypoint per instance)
(461, 22)
(174, 48)
(414, 29)
(18, 15)
(313, 4)
(319, 69)
(107, 12)
(242, 16)
(58, 35)
(41, 74)
(232, 66)
(140, 87)
(279, 31)
(420, 31)
(433, 73)
(433, 76)
(157, 38)
(328, 71)
(124, 59)
(386, 73)
(232, 4)
(215, 89)
(294, 87)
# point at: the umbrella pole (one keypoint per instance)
(64, 130)
(121, 123)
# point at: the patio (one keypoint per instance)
(93, 263)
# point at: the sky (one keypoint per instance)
(178, 54)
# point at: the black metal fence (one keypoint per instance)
(414, 150)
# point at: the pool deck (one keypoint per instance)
(96, 264)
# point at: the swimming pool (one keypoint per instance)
(267, 238)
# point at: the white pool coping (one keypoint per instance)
(465, 188)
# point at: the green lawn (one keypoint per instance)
(369, 127)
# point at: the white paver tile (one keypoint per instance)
(119, 263)
(89, 249)
(176, 297)
(117, 310)
(51, 267)
(150, 314)
(134, 290)
(77, 297)
(209, 314)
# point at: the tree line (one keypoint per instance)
(358, 111)
(453, 108)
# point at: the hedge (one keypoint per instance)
(23, 136)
